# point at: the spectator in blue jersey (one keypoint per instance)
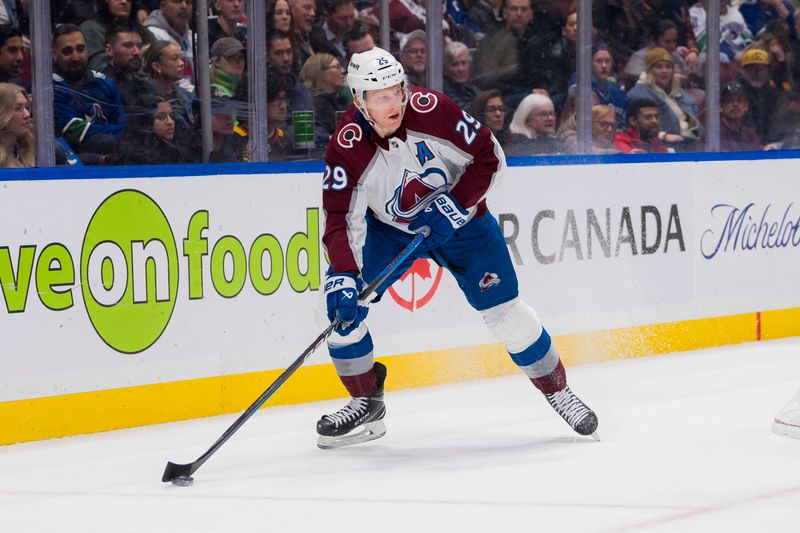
(758, 13)
(677, 110)
(87, 106)
(110, 13)
(605, 89)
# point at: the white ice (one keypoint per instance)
(686, 446)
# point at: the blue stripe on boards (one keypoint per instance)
(535, 352)
(303, 167)
(352, 351)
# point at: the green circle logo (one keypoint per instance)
(129, 271)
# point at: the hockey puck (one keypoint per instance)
(183, 481)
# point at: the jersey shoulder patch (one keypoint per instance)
(349, 134)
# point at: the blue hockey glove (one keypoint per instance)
(442, 218)
(341, 294)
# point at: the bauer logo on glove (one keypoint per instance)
(440, 220)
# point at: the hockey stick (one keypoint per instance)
(181, 474)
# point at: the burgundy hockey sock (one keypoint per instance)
(552, 382)
(360, 385)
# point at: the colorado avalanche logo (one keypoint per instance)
(424, 102)
(409, 197)
(489, 280)
(349, 135)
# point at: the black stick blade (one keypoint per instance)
(173, 471)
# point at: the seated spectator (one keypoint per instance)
(533, 128)
(786, 131)
(171, 23)
(163, 62)
(11, 56)
(780, 74)
(227, 23)
(603, 131)
(604, 88)
(414, 57)
(16, 128)
(87, 106)
(323, 75)
(734, 135)
(762, 99)
(357, 40)
(734, 35)
(280, 138)
(641, 136)
(677, 110)
(304, 14)
(488, 107)
(229, 146)
(486, 16)
(759, 13)
(279, 16)
(458, 74)
(150, 138)
(339, 20)
(227, 65)
(280, 58)
(665, 36)
(124, 53)
(110, 13)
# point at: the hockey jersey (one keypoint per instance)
(437, 148)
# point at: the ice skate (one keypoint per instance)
(361, 420)
(574, 411)
(787, 421)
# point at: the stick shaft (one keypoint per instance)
(173, 470)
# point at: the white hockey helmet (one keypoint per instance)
(374, 69)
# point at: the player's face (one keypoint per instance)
(164, 121)
(734, 106)
(494, 114)
(542, 119)
(385, 106)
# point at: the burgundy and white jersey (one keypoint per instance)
(437, 148)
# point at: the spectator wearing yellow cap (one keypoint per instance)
(677, 110)
(763, 100)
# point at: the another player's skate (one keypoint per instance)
(787, 421)
(361, 420)
(573, 410)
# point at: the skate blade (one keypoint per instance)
(370, 431)
(786, 430)
(595, 436)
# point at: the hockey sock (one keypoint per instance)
(552, 382)
(360, 385)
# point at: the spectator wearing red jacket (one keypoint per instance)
(641, 137)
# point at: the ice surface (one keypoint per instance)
(686, 446)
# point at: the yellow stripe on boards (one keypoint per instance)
(90, 412)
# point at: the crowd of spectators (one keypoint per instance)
(125, 74)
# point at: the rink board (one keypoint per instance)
(137, 300)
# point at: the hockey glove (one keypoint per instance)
(442, 218)
(341, 294)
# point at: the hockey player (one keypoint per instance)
(405, 160)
